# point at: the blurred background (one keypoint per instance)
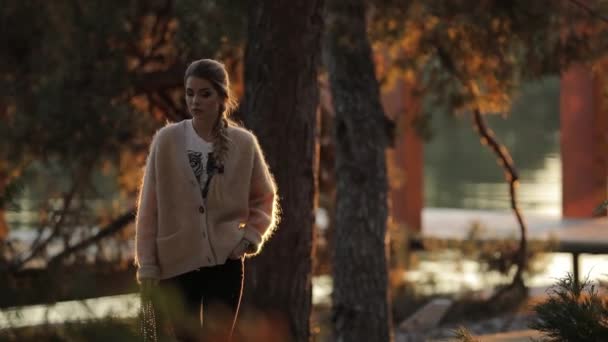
(85, 84)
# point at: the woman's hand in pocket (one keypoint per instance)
(240, 249)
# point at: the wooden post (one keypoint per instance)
(576, 268)
(406, 163)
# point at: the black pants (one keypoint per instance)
(202, 305)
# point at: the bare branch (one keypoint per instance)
(169, 78)
(80, 177)
(56, 228)
(506, 161)
(589, 10)
(114, 227)
(171, 104)
(163, 101)
(507, 164)
(160, 30)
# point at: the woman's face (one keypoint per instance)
(202, 99)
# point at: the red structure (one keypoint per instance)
(584, 147)
(584, 141)
(405, 160)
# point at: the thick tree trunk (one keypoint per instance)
(281, 100)
(360, 297)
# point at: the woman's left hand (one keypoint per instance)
(240, 249)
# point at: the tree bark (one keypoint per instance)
(361, 310)
(281, 100)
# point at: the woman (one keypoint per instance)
(207, 201)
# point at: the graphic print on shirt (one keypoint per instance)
(196, 162)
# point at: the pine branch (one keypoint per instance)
(573, 312)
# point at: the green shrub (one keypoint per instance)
(573, 312)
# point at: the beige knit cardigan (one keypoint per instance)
(176, 229)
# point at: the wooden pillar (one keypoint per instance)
(405, 159)
(584, 141)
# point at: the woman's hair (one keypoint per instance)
(215, 72)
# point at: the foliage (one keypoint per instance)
(498, 254)
(84, 86)
(492, 44)
(463, 335)
(501, 254)
(12, 190)
(471, 56)
(573, 312)
(601, 208)
(74, 73)
(105, 329)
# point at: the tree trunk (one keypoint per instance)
(281, 100)
(512, 176)
(360, 296)
(3, 224)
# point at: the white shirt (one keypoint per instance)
(198, 151)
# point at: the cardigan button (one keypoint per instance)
(201, 209)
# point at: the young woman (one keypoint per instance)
(207, 201)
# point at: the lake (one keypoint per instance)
(461, 173)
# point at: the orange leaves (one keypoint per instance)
(411, 41)
(130, 171)
(431, 22)
(495, 102)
